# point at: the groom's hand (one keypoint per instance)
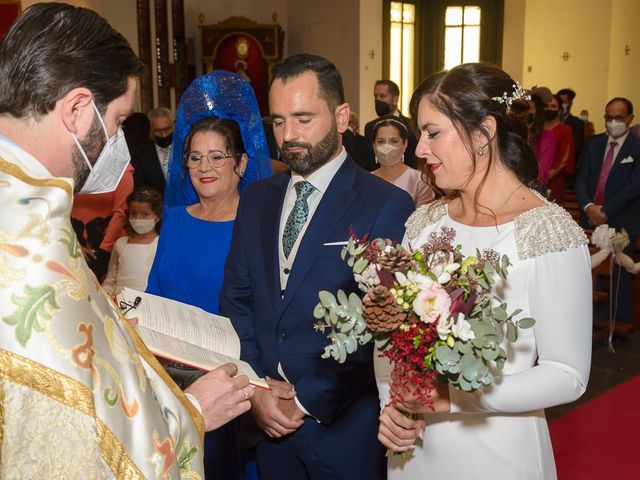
(286, 402)
(268, 416)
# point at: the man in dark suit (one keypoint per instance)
(353, 142)
(151, 161)
(387, 94)
(321, 418)
(578, 127)
(608, 186)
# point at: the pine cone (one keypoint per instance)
(381, 311)
(396, 260)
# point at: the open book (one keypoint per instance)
(185, 334)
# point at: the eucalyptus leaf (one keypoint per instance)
(489, 354)
(351, 261)
(527, 322)
(512, 333)
(350, 344)
(327, 299)
(318, 311)
(360, 265)
(342, 298)
(343, 252)
(500, 314)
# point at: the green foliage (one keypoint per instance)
(342, 316)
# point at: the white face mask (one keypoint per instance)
(110, 166)
(142, 225)
(616, 129)
(387, 154)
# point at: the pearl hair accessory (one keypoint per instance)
(518, 93)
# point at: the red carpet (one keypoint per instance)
(600, 439)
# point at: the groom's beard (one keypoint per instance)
(316, 156)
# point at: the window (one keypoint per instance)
(461, 35)
(401, 58)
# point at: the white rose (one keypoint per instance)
(462, 329)
(444, 327)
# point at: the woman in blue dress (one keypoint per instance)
(219, 146)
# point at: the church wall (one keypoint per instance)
(370, 68)
(581, 28)
(331, 29)
(513, 38)
(624, 68)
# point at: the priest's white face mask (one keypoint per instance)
(108, 169)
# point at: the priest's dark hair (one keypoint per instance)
(53, 48)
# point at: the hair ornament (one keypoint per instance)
(518, 93)
(391, 120)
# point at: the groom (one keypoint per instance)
(321, 417)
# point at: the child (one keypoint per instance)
(133, 255)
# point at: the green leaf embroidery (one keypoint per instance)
(186, 455)
(37, 305)
(71, 242)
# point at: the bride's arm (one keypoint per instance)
(560, 298)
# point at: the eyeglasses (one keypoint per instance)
(162, 132)
(617, 118)
(216, 159)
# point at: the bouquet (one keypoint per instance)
(607, 240)
(432, 312)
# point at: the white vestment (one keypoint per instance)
(80, 395)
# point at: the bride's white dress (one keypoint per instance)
(501, 432)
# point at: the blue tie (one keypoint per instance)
(297, 218)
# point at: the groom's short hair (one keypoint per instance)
(329, 78)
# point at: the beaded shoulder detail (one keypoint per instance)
(545, 229)
(423, 216)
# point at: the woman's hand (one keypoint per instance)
(398, 432)
(412, 404)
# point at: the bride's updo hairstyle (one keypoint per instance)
(467, 95)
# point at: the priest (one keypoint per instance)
(80, 395)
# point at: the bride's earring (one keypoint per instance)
(480, 151)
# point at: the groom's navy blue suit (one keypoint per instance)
(276, 327)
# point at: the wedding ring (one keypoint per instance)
(246, 395)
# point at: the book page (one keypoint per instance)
(181, 351)
(185, 322)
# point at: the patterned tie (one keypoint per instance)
(297, 218)
(598, 198)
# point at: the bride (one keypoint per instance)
(478, 152)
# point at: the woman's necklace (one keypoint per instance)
(509, 196)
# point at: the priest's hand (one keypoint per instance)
(397, 431)
(222, 395)
(267, 413)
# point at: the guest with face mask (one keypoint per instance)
(133, 255)
(608, 189)
(386, 94)
(564, 160)
(151, 161)
(389, 144)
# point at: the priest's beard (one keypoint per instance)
(316, 155)
(92, 146)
